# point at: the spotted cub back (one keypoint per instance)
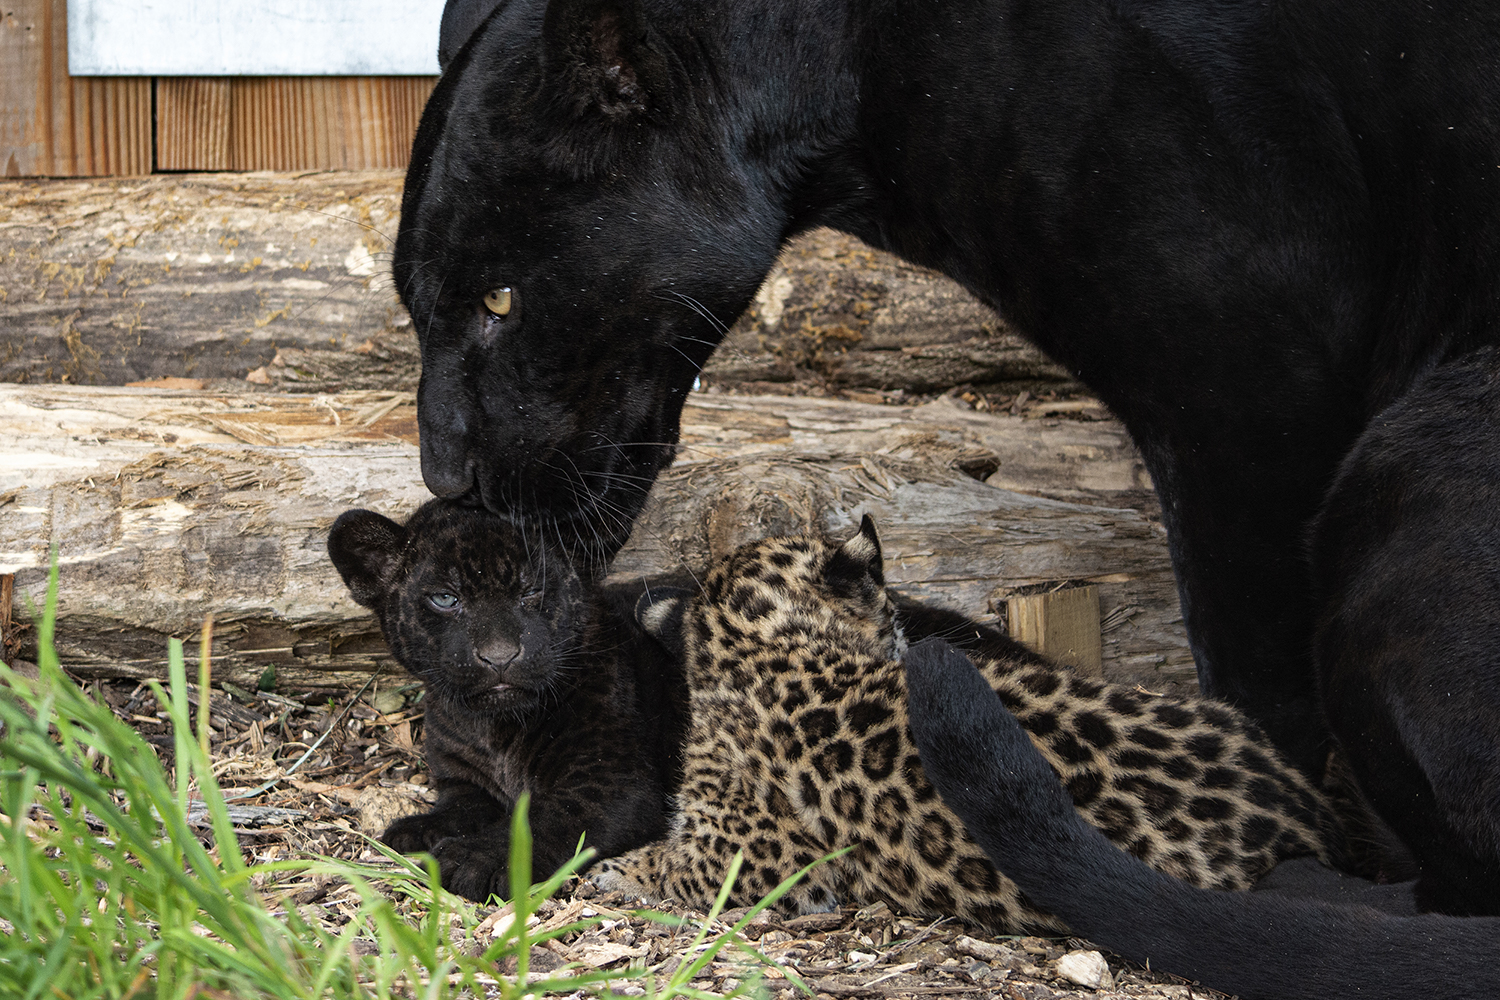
(799, 746)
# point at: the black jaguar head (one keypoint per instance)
(597, 188)
(482, 612)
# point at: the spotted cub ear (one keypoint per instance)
(660, 612)
(857, 561)
(364, 547)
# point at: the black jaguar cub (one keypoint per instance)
(538, 680)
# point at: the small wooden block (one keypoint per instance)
(1063, 626)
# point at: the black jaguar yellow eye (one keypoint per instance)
(497, 301)
(443, 601)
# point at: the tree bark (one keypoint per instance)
(165, 506)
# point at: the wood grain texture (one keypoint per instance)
(167, 505)
(1062, 625)
(192, 123)
(52, 124)
(288, 123)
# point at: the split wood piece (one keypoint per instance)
(1062, 625)
(168, 505)
(8, 645)
(838, 310)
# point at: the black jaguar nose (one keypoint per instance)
(445, 423)
(447, 480)
(497, 653)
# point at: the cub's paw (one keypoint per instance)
(475, 867)
(422, 832)
(614, 875)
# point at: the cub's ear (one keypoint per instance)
(857, 560)
(660, 612)
(604, 56)
(364, 546)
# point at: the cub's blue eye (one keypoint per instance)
(532, 598)
(443, 601)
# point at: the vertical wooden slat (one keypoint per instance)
(57, 125)
(321, 123)
(193, 123)
(53, 124)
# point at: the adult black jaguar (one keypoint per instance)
(1247, 224)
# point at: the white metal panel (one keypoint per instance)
(253, 37)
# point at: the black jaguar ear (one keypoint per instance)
(660, 611)
(364, 547)
(605, 56)
(857, 560)
(460, 19)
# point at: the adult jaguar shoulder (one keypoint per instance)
(536, 681)
(799, 746)
(1258, 945)
(1246, 225)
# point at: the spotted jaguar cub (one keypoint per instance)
(537, 680)
(799, 745)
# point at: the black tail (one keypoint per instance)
(1262, 946)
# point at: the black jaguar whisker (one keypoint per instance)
(697, 307)
(436, 297)
(354, 222)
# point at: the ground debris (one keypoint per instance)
(309, 774)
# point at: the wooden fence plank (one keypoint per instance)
(52, 124)
(318, 123)
(287, 123)
(192, 123)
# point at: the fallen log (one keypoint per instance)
(286, 279)
(164, 506)
(108, 281)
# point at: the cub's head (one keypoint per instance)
(785, 593)
(596, 190)
(483, 613)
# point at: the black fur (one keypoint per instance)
(1259, 945)
(460, 19)
(536, 681)
(1407, 562)
(1247, 224)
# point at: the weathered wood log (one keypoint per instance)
(835, 310)
(208, 276)
(108, 281)
(167, 505)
